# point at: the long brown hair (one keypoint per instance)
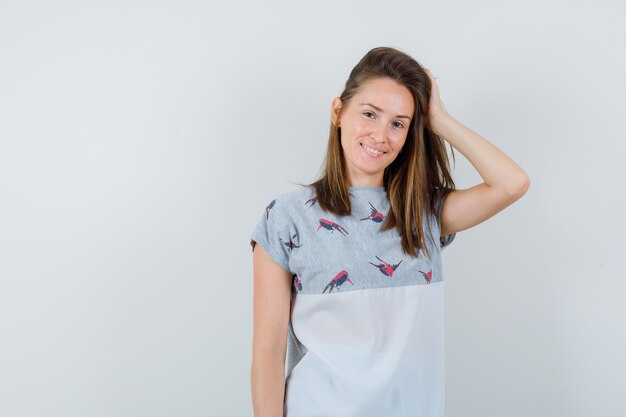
(420, 170)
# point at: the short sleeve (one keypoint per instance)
(272, 232)
(441, 194)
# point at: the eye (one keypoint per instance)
(398, 124)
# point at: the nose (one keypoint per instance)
(380, 132)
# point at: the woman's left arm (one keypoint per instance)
(504, 181)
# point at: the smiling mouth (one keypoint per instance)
(371, 151)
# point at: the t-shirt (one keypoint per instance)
(365, 335)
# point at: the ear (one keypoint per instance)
(335, 108)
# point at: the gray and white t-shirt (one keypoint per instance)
(366, 322)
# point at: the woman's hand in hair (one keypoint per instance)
(435, 107)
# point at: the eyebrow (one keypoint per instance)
(381, 110)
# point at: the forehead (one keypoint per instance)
(387, 94)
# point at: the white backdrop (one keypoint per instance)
(141, 140)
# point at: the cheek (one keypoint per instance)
(346, 143)
(358, 128)
(398, 141)
(353, 135)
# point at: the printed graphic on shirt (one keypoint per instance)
(375, 216)
(332, 226)
(339, 279)
(386, 268)
(297, 283)
(291, 243)
(427, 275)
(268, 208)
(325, 252)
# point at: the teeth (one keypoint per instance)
(372, 150)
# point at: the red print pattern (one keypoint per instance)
(384, 267)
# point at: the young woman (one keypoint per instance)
(348, 282)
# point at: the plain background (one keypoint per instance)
(142, 140)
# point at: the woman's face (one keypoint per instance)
(378, 118)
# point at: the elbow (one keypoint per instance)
(521, 187)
